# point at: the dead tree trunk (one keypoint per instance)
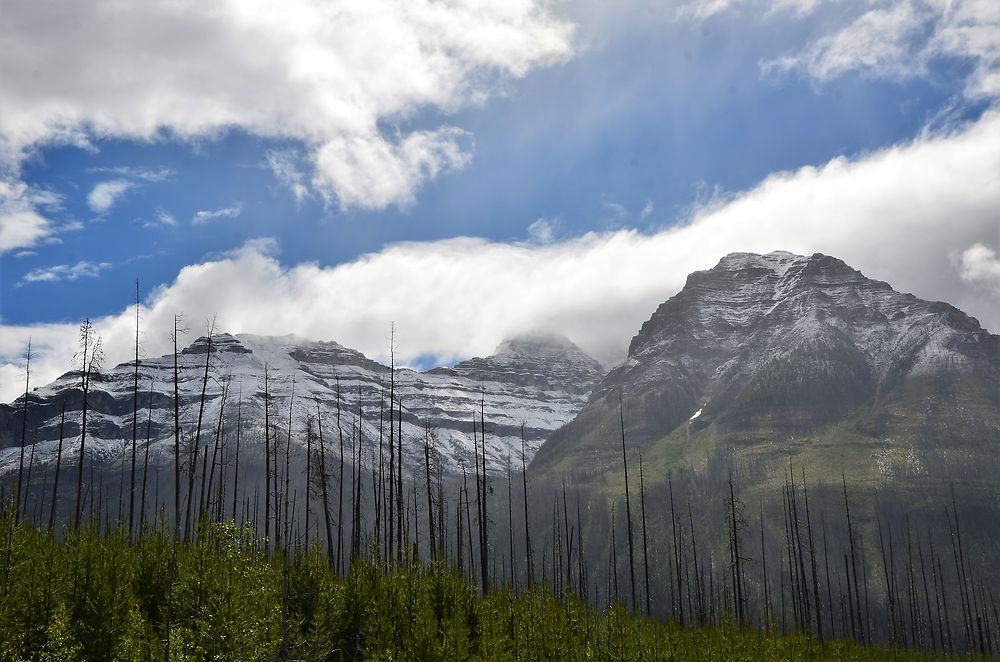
(24, 432)
(628, 505)
(135, 416)
(527, 532)
(55, 483)
(197, 441)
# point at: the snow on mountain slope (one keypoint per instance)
(540, 382)
(762, 348)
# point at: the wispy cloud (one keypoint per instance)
(105, 194)
(205, 216)
(647, 210)
(82, 269)
(285, 164)
(133, 172)
(543, 231)
(161, 218)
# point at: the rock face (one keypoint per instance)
(783, 354)
(540, 382)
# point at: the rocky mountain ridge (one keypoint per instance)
(781, 354)
(537, 381)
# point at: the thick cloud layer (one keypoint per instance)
(923, 216)
(342, 77)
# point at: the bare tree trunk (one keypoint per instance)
(628, 505)
(340, 490)
(219, 431)
(697, 572)
(468, 524)
(177, 444)
(145, 460)
(267, 464)
(391, 513)
(24, 431)
(763, 575)
(288, 451)
(927, 596)
(90, 361)
(510, 526)
(890, 602)
(399, 480)
(31, 464)
(309, 437)
(239, 434)
(197, 441)
(812, 561)
(430, 503)
(135, 416)
(854, 567)
(380, 492)
(458, 536)
(479, 507)
(485, 522)
(677, 603)
(55, 483)
(527, 532)
(324, 477)
(737, 562)
(645, 543)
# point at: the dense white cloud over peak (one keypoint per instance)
(922, 216)
(332, 74)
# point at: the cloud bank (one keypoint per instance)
(923, 216)
(342, 78)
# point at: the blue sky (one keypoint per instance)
(613, 123)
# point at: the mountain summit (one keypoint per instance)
(781, 354)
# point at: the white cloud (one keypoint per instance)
(133, 172)
(206, 215)
(82, 269)
(104, 195)
(22, 223)
(900, 39)
(285, 165)
(163, 218)
(981, 266)
(342, 78)
(543, 230)
(647, 210)
(905, 214)
(879, 41)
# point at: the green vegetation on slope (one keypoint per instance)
(100, 596)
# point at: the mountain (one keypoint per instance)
(778, 356)
(540, 381)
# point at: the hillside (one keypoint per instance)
(782, 356)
